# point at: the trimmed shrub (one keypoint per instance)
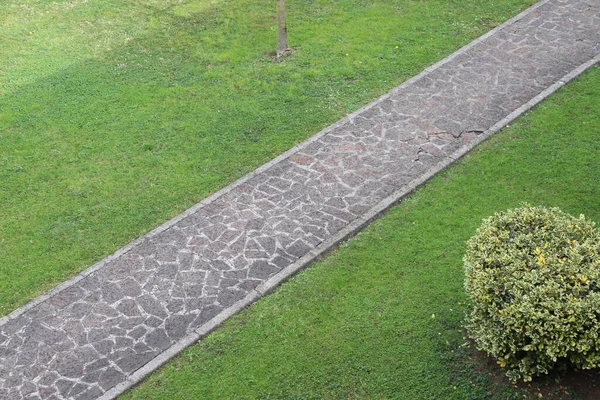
(533, 275)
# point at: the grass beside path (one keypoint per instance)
(380, 318)
(117, 115)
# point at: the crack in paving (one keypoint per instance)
(88, 339)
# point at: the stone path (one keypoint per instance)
(103, 330)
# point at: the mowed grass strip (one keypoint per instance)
(381, 316)
(116, 116)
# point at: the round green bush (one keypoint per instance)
(533, 276)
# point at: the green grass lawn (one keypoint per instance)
(381, 316)
(117, 115)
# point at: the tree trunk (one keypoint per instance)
(282, 46)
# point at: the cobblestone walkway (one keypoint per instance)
(101, 331)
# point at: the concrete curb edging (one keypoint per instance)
(346, 233)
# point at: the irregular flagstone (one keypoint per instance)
(84, 340)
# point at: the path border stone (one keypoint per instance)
(329, 244)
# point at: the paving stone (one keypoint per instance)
(280, 262)
(249, 284)
(104, 347)
(79, 310)
(129, 308)
(176, 326)
(27, 358)
(77, 389)
(33, 371)
(131, 363)
(28, 388)
(210, 291)
(153, 322)
(67, 297)
(91, 377)
(220, 265)
(165, 286)
(132, 322)
(152, 306)
(47, 378)
(109, 378)
(97, 334)
(206, 315)
(46, 392)
(111, 292)
(7, 351)
(255, 224)
(130, 287)
(90, 394)
(141, 348)
(228, 297)
(185, 260)
(96, 365)
(120, 268)
(43, 310)
(236, 274)
(93, 297)
(262, 270)
(71, 364)
(13, 381)
(105, 310)
(137, 332)
(64, 386)
(175, 305)
(298, 248)
(123, 342)
(158, 339)
(40, 333)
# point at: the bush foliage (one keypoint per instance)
(532, 274)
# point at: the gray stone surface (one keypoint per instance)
(86, 338)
